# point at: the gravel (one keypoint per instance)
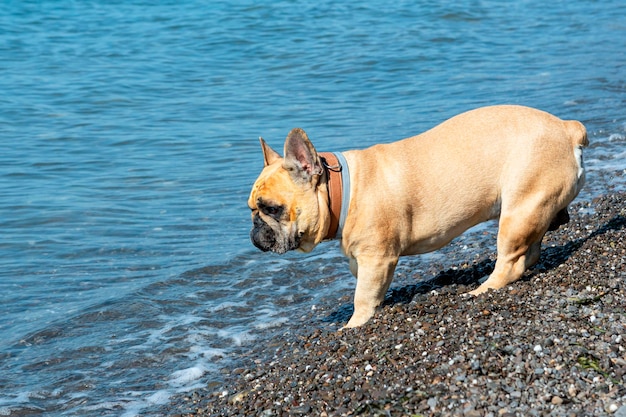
(551, 344)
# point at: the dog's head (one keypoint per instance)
(289, 200)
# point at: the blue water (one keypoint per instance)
(129, 143)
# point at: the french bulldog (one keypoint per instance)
(516, 164)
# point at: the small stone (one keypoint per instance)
(556, 400)
(538, 349)
(302, 410)
(238, 397)
(621, 412)
(432, 402)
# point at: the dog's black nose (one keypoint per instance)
(261, 235)
(254, 237)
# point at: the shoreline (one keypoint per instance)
(553, 343)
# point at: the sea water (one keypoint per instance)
(129, 142)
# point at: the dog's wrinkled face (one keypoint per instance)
(285, 200)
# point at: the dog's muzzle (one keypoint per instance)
(264, 237)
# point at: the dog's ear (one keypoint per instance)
(269, 154)
(301, 159)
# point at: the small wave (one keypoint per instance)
(186, 376)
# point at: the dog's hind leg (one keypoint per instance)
(519, 246)
(532, 254)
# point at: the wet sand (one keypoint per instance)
(551, 344)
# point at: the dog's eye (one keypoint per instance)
(270, 208)
(274, 211)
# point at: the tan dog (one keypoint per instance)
(518, 164)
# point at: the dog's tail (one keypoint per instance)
(577, 133)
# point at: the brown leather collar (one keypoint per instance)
(335, 190)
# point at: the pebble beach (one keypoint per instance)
(551, 344)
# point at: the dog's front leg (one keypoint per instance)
(374, 275)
